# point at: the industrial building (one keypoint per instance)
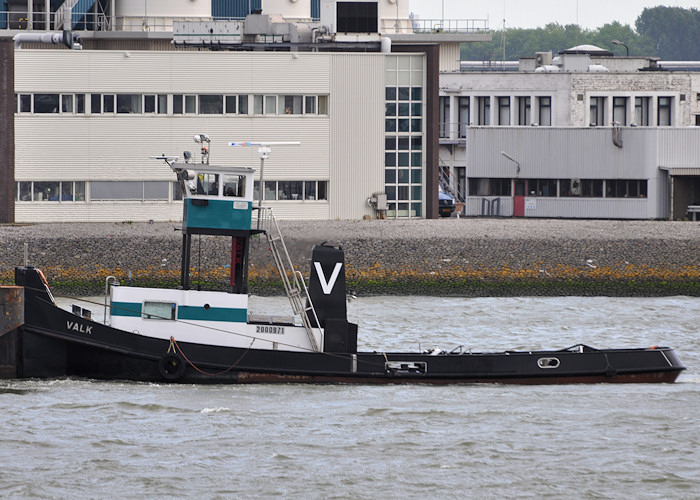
(583, 134)
(355, 83)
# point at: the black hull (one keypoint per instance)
(49, 345)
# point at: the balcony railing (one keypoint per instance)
(453, 131)
(450, 25)
(91, 21)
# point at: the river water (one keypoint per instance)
(82, 438)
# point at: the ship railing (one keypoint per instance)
(292, 279)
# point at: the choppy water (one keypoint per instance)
(80, 438)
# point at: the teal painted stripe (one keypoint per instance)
(133, 309)
(218, 214)
(126, 309)
(212, 314)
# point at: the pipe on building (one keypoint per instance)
(48, 38)
(386, 45)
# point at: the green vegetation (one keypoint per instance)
(669, 33)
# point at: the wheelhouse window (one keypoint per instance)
(159, 310)
(234, 185)
(208, 184)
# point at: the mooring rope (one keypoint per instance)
(174, 342)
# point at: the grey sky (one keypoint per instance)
(537, 13)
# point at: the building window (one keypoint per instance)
(149, 103)
(129, 190)
(25, 103)
(129, 103)
(184, 104)
(585, 188)
(242, 104)
(270, 104)
(444, 117)
(234, 185)
(357, 17)
(230, 104)
(483, 110)
(95, 103)
(625, 188)
(523, 110)
(489, 187)
(290, 105)
(66, 103)
(597, 109)
(663, 111)
(504, 110)
(463, 118)
(63, 191)
(620, 111)
(323, 105)
(108, 103)
(80, 103)
(544, 105)
(542, 187)
(258, 104)
(403, 157)
(293, 190)
(211, 104)
(641, 111)
(46, 103)
(310, 104)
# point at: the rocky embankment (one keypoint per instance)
(472, 257)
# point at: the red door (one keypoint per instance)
(519, 198)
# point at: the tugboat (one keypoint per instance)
(188, 335)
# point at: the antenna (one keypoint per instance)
(503, 34)
(264, 153)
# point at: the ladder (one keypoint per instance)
(294, 287)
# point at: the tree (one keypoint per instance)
(674, 32)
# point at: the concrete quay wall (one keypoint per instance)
(469, 257)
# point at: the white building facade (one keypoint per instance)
(86, 122)
(588, 137)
